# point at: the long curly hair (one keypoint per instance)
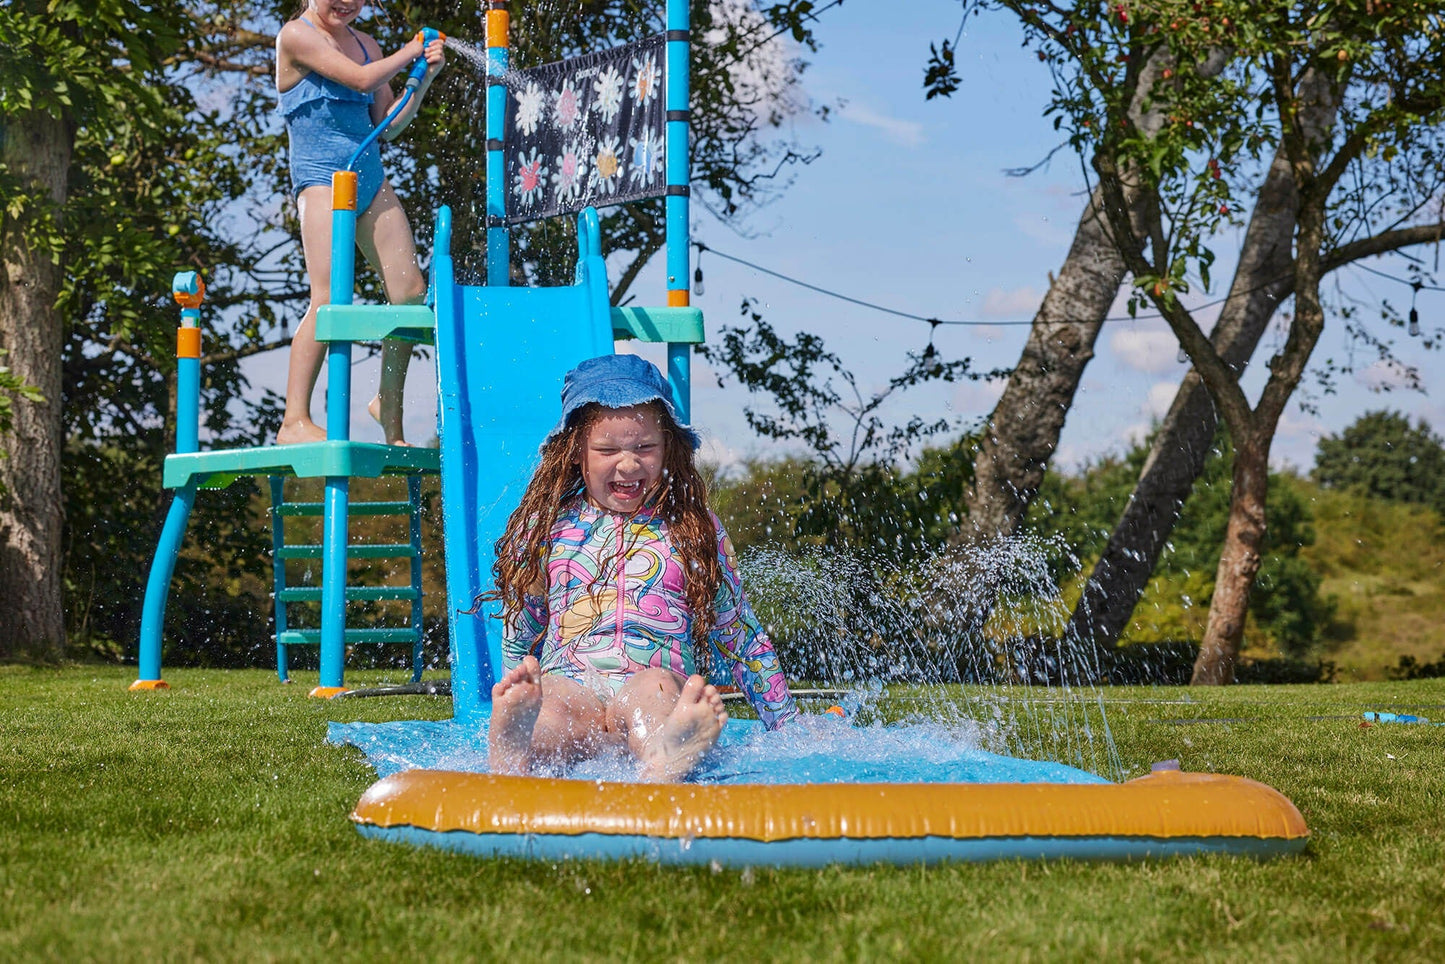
(680, 498)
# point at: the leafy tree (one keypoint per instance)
(1280, 57)
(1370, 217)
(74, 74)
(1381, 454)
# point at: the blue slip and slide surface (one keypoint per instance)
(827, 751)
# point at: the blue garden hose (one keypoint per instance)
(413, 80)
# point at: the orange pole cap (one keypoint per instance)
(678, 298)
(498, 23)
(343, 191)
(188, 342)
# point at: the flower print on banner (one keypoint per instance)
(646, 80)
(606, 166)
(589, 130)
(570, 175)
(530, 180)
(567, 106)
(646, 159)
(608, 88)
(529, 109)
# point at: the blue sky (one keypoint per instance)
(908, 207)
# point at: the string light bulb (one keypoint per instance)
(697, 281)
(1415, 287)
(1183, 356)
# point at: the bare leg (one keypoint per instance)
(516, 702)
(314, 208)
(385, 238)
(669, 726)
(543, 719)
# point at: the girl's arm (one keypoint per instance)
(520, 636)
(301, 50)
(741, 639)
(385, 97)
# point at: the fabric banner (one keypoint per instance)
(586, 131)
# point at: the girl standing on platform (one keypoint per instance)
(620, 592)
(334, 90)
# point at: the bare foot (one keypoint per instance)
(516, 701)
(686, 735)
(300, 430)
(389, 420)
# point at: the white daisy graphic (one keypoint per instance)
(531, 179)
(645, 80)
(606, 166)
(608, 88)
(570, 174)
(567, 106)
(529, 109)
(646, 159)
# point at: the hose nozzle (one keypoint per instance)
(418, 70)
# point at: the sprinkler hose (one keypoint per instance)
(413, 80)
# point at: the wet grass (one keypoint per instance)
(210, 822)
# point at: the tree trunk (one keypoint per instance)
(37, 148)
(1238, 563)
(1176, 459)
(1024, 427)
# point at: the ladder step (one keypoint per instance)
(356, 508)
(370, 593)
(312, 637)
(377, 550)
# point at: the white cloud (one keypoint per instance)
(902, 132)
(1018, 304)
(714, 451)
(1160, 397)
(1386, 376)
(975, 399)
(1148, 350)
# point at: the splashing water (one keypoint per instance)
(952, 674)
(477, 56)
(968, 638)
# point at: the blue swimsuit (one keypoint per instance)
(325, 123)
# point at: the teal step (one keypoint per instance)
(219, 468)
(376, 550)
(355, 508)
(312, 637)
(414, 323)
(360, 593)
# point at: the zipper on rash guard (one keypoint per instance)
(621, 588)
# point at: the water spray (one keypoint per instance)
(413, 81)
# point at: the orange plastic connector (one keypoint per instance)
(343, 191)
(498, 23)
(421, 36)
(188, 342)
(187, 299)
(327, 692)
(678, 298)
(147, 685)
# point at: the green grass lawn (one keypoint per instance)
(210, 822)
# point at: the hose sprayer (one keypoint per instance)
(413, 81)
(418, 70)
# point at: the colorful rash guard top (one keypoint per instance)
(615, 604)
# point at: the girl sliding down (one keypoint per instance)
(620, 592)
(333, 86)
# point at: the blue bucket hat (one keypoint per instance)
(616, 381)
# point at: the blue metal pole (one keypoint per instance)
(498, 243)
(189, 291)
(338, 429)
(679, 358)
